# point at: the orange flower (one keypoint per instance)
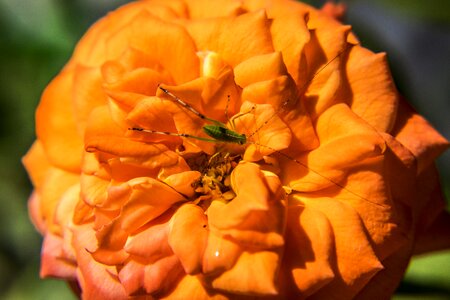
(324, 193)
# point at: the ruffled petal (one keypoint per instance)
(234, 38)
(53, 261)
(175, 49)
(356, 263)
(189, 223)
(97, 281)
(202, 9)
(418, 136)
(327, 165)
(373, 93)
(309, 254)
(56, 125)
(36, 163)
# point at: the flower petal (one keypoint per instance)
(234, 38)
(327, 165)
(56, 125)
(418, 136)
(308, 256)
(200, 9)
(255, 273)
(53, 262)
(373, 93)
(97, 280)
(87, 93)
(189, 224)
(36, 164)
(265, 131)
(356, 263)
(175, 49)
(255, 217)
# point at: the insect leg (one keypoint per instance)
(174, 134)
(190, 108)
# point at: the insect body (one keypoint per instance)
(217, 131)
(223, 134)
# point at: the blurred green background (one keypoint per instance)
(38, 36)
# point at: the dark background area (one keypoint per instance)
(38, 36)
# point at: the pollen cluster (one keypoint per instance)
(214, 183)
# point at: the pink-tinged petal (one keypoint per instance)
(416, 134)
(67, 249)
(97, 281)
(55, 186)
(188, 236)
(132, 277)
(34, 210)
(334, 10)
(53, 261)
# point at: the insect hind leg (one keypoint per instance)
(185, 135)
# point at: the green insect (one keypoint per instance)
(217, 131)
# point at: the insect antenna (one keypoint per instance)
(190, 108)
(294, 159)
(173, 134)
(316, 172)
(301, 90)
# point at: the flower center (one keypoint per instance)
(215, 182)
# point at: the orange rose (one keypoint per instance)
(324, 193)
